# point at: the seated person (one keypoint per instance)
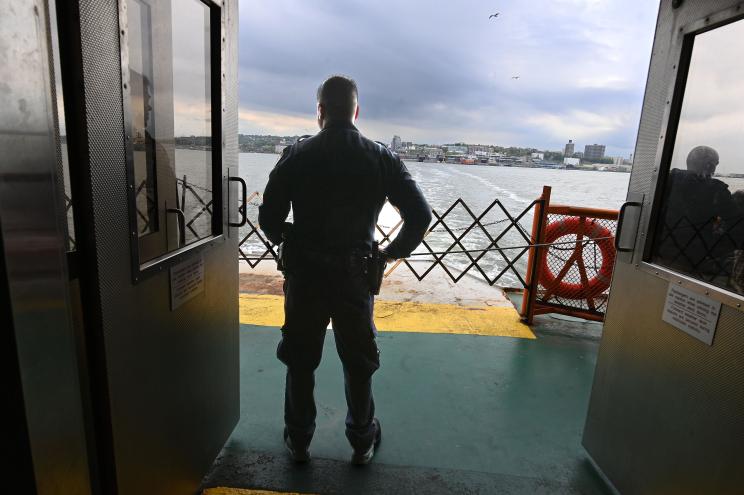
(738, 199)
(737, 269)
(698, 214)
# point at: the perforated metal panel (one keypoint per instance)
(667, 411)
(170, 377)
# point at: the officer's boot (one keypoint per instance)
(360, 457)
(298, 455)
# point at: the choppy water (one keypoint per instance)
(478, 186)
(481, 184)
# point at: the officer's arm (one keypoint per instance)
(276, 201)
(405, 195)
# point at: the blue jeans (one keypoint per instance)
(312, 300)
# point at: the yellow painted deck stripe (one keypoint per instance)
(242, 491)
(394, 316)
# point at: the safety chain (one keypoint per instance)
(527, 246)
(460, 229)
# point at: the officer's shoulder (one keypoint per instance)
(385, 150)
(284, 156)
(303, 143)
(293, 148)
(382, 147)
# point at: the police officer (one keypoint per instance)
(336, 183)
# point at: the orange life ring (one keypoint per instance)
(590, 229)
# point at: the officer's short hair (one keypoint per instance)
(702, 160)
(338, 95)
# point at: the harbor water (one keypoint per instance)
(478, 186)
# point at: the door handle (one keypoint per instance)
(619, 230)
(244, 207)
(181, 225)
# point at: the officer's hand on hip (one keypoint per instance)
(386, 256)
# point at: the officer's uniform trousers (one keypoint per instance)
(315, 295)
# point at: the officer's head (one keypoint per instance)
(337, 100)
(702, 160)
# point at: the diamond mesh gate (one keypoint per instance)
(560, 256)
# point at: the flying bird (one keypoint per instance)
(515, 77)
(493, 15)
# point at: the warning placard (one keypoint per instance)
(692, 313)
(186, 281)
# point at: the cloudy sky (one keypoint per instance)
(439, 71)
(713, 109)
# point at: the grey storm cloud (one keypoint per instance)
(439, 68)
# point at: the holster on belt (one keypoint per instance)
(285, 254)
(281, 253)
(374, 268)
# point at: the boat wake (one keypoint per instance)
(501, 191)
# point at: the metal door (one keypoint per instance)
(665, 414)
(44, 433)
(151, 102)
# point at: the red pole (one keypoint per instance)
(533, 270)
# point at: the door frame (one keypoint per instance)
(680, 55)
(164, 382)
(656, 388)
(34, 279)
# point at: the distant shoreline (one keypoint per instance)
(409, 161)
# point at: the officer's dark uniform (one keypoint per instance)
(336, 183)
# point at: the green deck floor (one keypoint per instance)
(460, 414)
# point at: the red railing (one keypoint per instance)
(571, 262)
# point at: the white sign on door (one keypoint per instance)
(692, 313)
(186, 280)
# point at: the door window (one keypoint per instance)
(700, 229)
(174, 167)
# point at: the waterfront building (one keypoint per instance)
(396, 144)
(481, 156)
(594, 151)
(456, 148)
(568, 151)
(432, 153)
(472, 149)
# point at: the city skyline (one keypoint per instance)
(289, 137)
(284, 140)
(448, 75)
